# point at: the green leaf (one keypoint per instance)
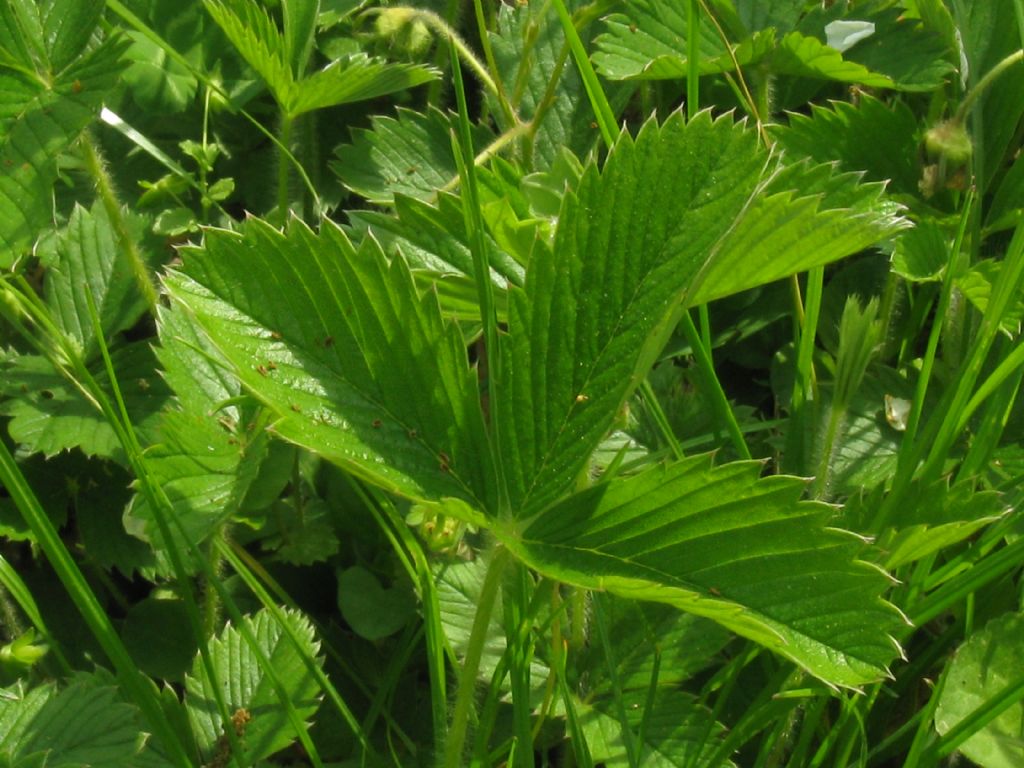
(357, 366)
(678, 731)
(985, 667)
(256, 37)
(299, 27)
(88, 259)
(987, 40)
(684, 644)
(50, 414)
(356, 78)
(157, 634)
(300, 536)
(196, 372)
(529, 44)
(805, 56)
(913, 56)
(728, 545)
(921, 254)
(204, 469)
(459, 585)
(434, 238)
(411, 156)
(85, 724)
(159, 84)
(98, 516)
(248, 690)
(808, 212)
(868, 136)
(39, 122)
(67, 26)
(649, 43)
(373, 612)
(681, 215)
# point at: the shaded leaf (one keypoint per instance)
(529, 49)
(50, 415)
(88, 260)
(40, 122)
(373, 611)
(260, 720)
(678, 731)
(982, 669)
(868, 136)
(410, 155)
(922, 253)
(805, 56)
(650, 43)
(684, 644)
(159, 638)
(82, 724)
(205, 472)
(356, 78)
(728, 545)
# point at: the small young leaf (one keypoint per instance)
(373, 612)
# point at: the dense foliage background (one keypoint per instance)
(626, 382)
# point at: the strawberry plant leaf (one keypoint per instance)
(688, 213)
(677, 730)
(433, 238)
(684, 644)
(204, 469)
(913, 56)
(299, 28)
(869, 136)
(256, 37)
(356, 365)
(194, 369)
(258, 717)
(806, 56)
(41, 114)
(50, 415)
(728, 545)
(356, 78)
(459, 584)
(82, 724)
(66, 27)
(649, 43)
(529, 46)
(87, 259)
(410, 155)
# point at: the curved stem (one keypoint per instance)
(982, 85)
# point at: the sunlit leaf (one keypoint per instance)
(356, 365)
(728, 545)
(984, 667)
